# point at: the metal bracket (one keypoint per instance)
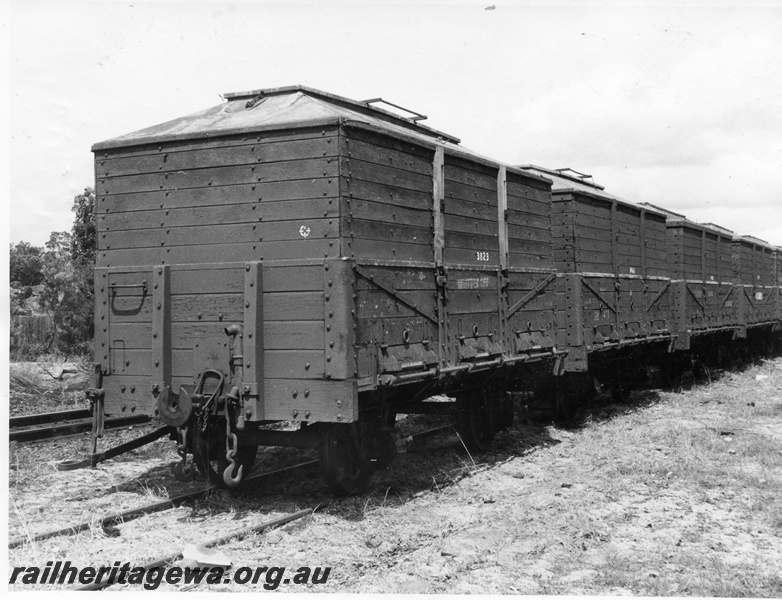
(599, 295)
(382, 283)
(531, 294)
(727, 295)
(659, 295)
(698, 300)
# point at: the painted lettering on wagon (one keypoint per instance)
(472, 283)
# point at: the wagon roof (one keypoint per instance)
(274, 109)
(674, 219)
(294, 107)
(569, 180)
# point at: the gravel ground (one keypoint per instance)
(671, 494)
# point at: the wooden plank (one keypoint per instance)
(161, 326)
(216, 144)
(225, 156)
(102, 319)
(388, 194)
(277, 335)
(438, 204)
(359, 169)
(220, 176)
(293, 306)
(228, 252)
(472, 210)
(377, 304)
(537, 261)
(524, 219)
(339, 313)
(390, 233)
(470, 193)
(532, 247)
(294, 189)
(401, 278)
(502, 215)
(254, 355)
(532, 234)
(313, 400)
(464, 256)
(461, 172)
(139, 363)
(386, 141)
(390, 213)
(391, 157)
(471, 241)
(224, 215)
(470, 226)
(360, 248)
(211, 234)
(216, 280)
(278, 306)
(295, 364)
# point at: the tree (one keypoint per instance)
(67, 294)
(83, 236)
(26, 264)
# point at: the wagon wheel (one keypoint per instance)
(506, 410)
(558, 397)
(474, 421)
(209, 454)
(342, 464)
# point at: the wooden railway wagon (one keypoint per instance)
(778, 280)
(700, 263)
(614, 290)
(755, 276)
(295, 256)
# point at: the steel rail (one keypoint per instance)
(52, 417)
(236, 535)
(135, 513)
(74, 427)
(239, 534)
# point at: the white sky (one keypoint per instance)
(676, 105)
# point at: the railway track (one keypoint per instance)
(259, 528)
(44, 426)
(140, 511)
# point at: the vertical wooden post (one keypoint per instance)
(438, 201)
(101, 344)
(502, 215)
(441, 283)
(252, 342)
(502, 275)
(161, 326)
(643, 243)
(703, 255)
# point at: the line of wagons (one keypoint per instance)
(296, 268)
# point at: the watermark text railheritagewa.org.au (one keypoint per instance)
(59, 573)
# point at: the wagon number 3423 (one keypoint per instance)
(482, 256)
